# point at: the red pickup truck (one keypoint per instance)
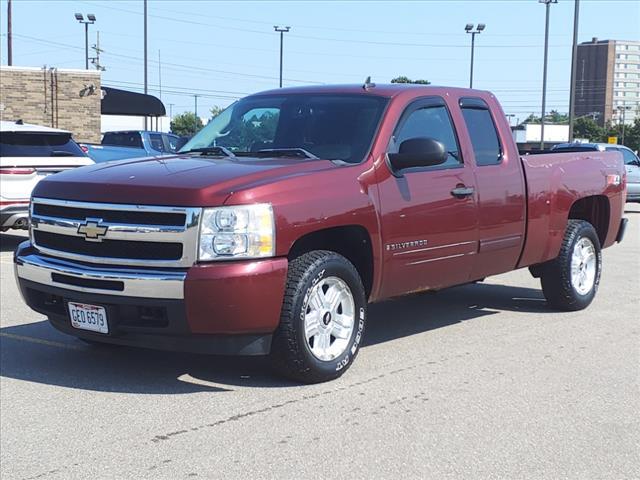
(292, 210)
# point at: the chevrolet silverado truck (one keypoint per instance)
(278, 223)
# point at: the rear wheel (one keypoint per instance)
(322, 320)
(570, 282)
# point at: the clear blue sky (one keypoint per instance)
(223, 50)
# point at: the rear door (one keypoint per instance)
(429, 235)
(500, 186)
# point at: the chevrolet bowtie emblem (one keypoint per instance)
(92, 229)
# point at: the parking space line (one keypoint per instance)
(40, 341)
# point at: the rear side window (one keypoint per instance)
(483, 133)
(38, 144)
(628, 156)
(171, 143)
(123, 139)
(156, 142)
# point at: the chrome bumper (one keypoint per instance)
(166, 284)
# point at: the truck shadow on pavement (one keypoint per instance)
(36, 352)
(9, 242)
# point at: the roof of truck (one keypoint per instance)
(383, 90)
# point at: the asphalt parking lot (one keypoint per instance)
(478, 381)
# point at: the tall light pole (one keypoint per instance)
(544, 71)
(145, 57)
(9, 36)
(282, 31)
(469, 29)
(574, 69)
(91, 19)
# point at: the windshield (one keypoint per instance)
(332, 127)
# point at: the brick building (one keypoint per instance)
(59, 98)
(608, 80)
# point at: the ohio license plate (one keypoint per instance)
(88, 317)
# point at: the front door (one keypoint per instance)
(429, 217)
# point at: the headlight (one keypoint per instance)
(244, 231)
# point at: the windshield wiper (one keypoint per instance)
(288, 152)
(218, 151)
(61, 153)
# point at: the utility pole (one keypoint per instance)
(469, 29)
(195, 99)
(574, 69)
(623, 111)
(145, 57)
(9, 35)
(282, 31)
(96, 60)
(544, 71)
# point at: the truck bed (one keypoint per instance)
(554, 182)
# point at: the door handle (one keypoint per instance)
(462, 192)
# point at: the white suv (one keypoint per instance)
(28, 153)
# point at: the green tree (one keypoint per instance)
(215, 111)
(587, 128)
(186, 124)
(532, 119)
(403, 79)
(632, 135)
(558, 118)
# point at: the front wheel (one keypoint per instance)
(570, 282)
(322, 320)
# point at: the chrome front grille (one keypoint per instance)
(115, 234)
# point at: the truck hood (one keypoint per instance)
(180, 180)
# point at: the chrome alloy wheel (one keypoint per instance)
(329, 318)
(583, 266)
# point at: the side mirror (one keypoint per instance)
(418, 152)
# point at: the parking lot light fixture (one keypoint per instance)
(469, 29)
(282, 31)
(544, 71)
(91, 19)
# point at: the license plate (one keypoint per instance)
(88, 317)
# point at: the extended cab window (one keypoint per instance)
(433, 122)
(482, 130)
(155, 139)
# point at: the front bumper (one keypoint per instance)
(224, 308)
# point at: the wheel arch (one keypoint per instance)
(351, 241)
(594, 209)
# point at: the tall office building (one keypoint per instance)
(608, 81)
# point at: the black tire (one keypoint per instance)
(290, 352)
(555, 276)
